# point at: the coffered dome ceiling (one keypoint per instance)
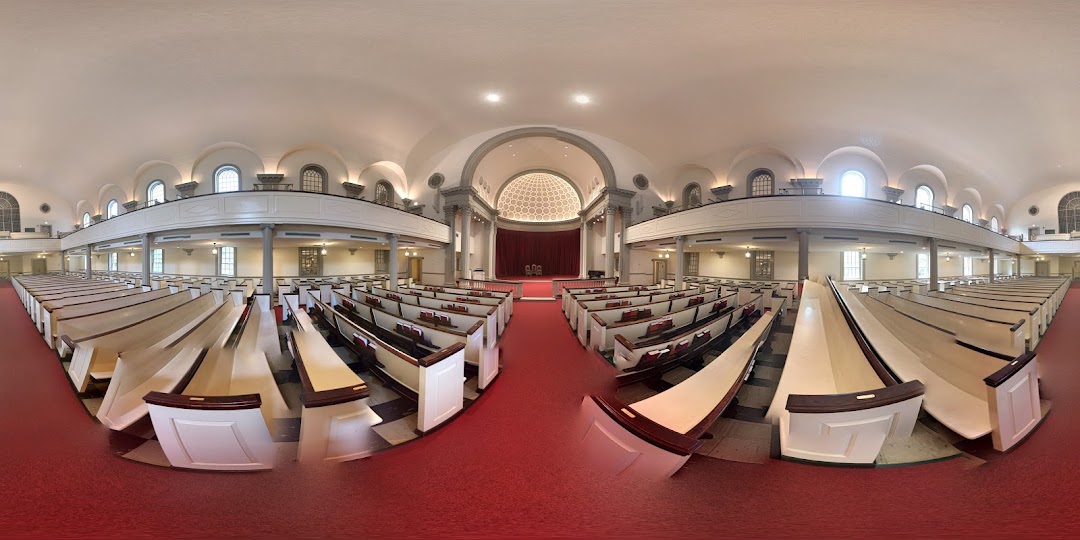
(985, 92)
(538, 197)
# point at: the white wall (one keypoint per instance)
(61, 217)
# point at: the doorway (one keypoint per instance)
(38, 267)
(416, 269)
(1042, 268)
(5, 269)
(659, 270)
(1076, 270)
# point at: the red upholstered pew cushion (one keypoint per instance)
(348, 305)
(371, 300)
(718, 306)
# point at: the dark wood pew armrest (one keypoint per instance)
(856, 401)
(204, 403)
(998, 377)
(440, 355)
(649, 431)
(67, 341)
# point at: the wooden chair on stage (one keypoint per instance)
(528, 270)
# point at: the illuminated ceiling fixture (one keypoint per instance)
(213, 250)
(948, 258)
(492, 97)
(581, 99)
(323, 249)
(864, 254)
(747, 252)
(131, 253)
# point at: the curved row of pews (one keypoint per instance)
(198, 363)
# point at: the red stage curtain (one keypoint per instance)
(558, 253)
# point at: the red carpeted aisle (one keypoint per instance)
(508, 466)
(535, 287)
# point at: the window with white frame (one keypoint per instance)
(968, 266)
(967, 213)
(157, 261)
(922, 265)
(853, 184)
(112, 210)
(995, 225)
(155, 193)
(113, 262)
(852, 265)
(227, 261)
(226, 179)
(86, 220)
(924, 198)
(312, 179)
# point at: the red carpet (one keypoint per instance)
(508, 466)
(536, 287)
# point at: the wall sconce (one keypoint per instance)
(948, 258)
(864, 254)
(747, 252)
(323, 249)
(213, 250)
(131, 253)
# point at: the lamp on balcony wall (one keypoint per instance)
(131, 253)
(323, 249)
(864, 254)
(213, 250)
(747, 252)
(948, 258)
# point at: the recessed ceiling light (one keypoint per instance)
(492, 97)
(513, 155)
(581, 99)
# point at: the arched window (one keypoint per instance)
(1069, 213)
(853, 184)
(86, 220)
(994, 224)
(924, 198)
(313, 179)
(692, 196)
(967, 213)
(384, 193)
(112, 209)
(155, 193)
(226, 179)
(762, 183)
(9, 213)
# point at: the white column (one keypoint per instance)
(1016, 267)
(609, 241)
(680, 261)
(89, 261)
(466, 230)
(146, 260)
(489, 233)
(268, 258)
(932, 248)
(804, 254)
(63, 262)
(451, 219)
(392, 243)
(624, 248)
(993, 265)
(583, 259)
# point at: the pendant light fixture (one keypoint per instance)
(323, 249)
(213, 250)
(864, 254)
(747, 252)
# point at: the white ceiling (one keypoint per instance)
(986, 91)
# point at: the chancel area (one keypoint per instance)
(588, 269)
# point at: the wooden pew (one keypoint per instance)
(165, 365)
(336, 419)
(434, 381)
(50, 320)
(988, 309)
(94, 354)
(606, 323)
(654, 437)
(965, 389)
(836, 402)
(48, 307)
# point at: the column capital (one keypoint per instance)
(680, 239)
(802, 231)
(391, 236)
(265, 226)
(145, 236)
(466, 210)
(610, 209)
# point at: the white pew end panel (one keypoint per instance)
(222, 433)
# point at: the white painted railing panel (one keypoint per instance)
(819, 211)
(254, 208)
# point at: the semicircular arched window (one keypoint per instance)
(762, 183)
(226, 179)
(384, 193)
(967, 214)
(924, 198)
(995, 225)
(1069, 213)
(692, 196)
(9, 213)
(853, 184)
(86, 220)
(155, 193)
(313, 179)
(112, 209)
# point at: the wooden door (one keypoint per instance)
(38, 266)
(1042, 268)
(659, 270)
(416, 269)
